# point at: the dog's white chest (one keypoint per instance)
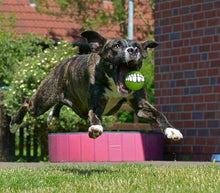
(113, 96)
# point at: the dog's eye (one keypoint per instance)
(117, 46)
(137, 47)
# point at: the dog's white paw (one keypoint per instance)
(50, 119)
(95, 131)
(173, 134)
(14, 127)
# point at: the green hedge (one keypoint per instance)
(14, 49)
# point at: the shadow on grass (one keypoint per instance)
(85, 171)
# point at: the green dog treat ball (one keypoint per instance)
(134, 80)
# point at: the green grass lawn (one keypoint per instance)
(119, 178)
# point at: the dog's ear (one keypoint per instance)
(146, 45)
(95, 40)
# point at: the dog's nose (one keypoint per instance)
(132, 50)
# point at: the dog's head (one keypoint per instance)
(120, 56)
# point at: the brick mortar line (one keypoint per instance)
(184, 6)
(188, 38)
(185, 14)
(206, 102)
(188, 21)
(186, 30)
(188, 78)
(185, 63)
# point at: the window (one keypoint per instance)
(32, 3)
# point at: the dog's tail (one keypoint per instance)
(18, 118)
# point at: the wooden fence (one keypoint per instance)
(7, 142)
(135, 126)
(30, 146)
(24, 145)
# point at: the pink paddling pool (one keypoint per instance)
(110, 146)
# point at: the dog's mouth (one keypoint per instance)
(122, 71)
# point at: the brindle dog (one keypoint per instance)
(94, 85)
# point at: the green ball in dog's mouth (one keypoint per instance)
(134, 80)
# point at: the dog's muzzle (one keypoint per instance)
(132, 55)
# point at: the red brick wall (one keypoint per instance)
(187, 79)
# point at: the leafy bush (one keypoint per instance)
(29, 74)
(14, 49)
(148, 71)
(125, 117)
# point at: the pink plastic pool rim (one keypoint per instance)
(110, 146)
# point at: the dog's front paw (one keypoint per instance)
(173, 134)
(95, 131)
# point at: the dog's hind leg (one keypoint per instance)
(54, 114)
(34, 107)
